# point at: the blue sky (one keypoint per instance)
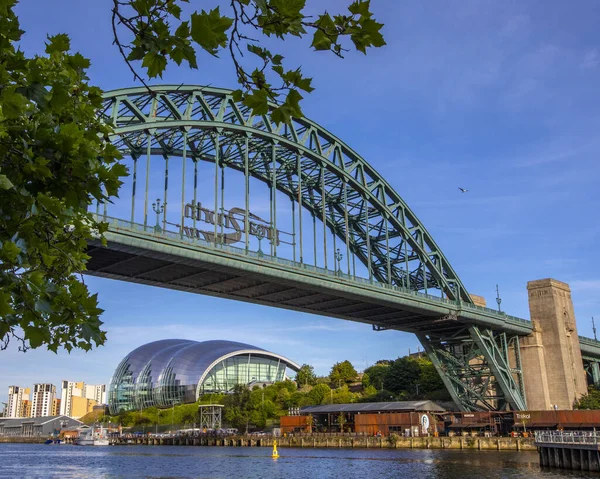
(497, 97)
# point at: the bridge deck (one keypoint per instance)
(140, 254)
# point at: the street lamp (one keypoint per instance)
(158, 209)
(498, 299)
(260, 234)
(338, 257)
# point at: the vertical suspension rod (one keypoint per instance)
(368, 238)
(166, 191)
(216, 213)
(247, 194)
(300, 204)
(183, 162)
(387, 247)
(274, 206)
(133, 189)
(324, 219)
(148, 151)
(346, 225)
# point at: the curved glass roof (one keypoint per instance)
(172, 370)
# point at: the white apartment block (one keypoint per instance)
(69, 389)
(16, 396)
(43, 397)
(97, 392)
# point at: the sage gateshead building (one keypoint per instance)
(173, 371)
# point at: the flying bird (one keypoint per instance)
(462, 190)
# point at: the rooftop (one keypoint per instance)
(395, 406)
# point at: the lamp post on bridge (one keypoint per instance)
(260, 234)
(498, 299)
(158, 209)
(338, 257)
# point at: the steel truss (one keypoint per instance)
(475, 365)
(321, 174)
(592, 369)
(211, 416)
(303, 160)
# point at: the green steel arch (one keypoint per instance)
(302, 160)
(469, 346)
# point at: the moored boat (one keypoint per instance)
(93, 437)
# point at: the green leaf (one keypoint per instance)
(289, 109)
(258, 102)
(43, 306)
(13, 104)
(5, 183)
(58, 44)
(237, 95)
(208, 30)
(5, 306)
(10, 251)
(35, 336)
(321, 41)
(360, 7)
(155, 63)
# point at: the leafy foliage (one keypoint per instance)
(375, 376)
(306, 375)
(342, 372)
(260, 407)
(156, 32)
(591, 400)
(55, 160)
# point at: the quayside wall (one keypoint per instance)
(364, 442)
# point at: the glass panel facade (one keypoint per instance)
(243, 369)
(168, 372)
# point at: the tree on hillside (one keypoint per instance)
(56, 160)
(320, 394)
(306, 376)
(237, 407)
(375, 376)
(342, 372)
(402, 375)
(591, 400)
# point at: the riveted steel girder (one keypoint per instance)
(475, 367)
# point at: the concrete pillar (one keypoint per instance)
(552, 364)
(533, 363)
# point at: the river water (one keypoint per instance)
(174, 462)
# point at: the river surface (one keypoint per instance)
(174, 462)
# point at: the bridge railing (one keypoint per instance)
(567, 437)
(117, 223)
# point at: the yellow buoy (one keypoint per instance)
(275, 454)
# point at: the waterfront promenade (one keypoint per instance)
(573, 450)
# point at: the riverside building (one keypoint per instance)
(173, 371)
(77, 398)
(43, 399)
(18, 399)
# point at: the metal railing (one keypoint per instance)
(567, 437)
(116, 224)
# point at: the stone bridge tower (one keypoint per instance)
(552, 366)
